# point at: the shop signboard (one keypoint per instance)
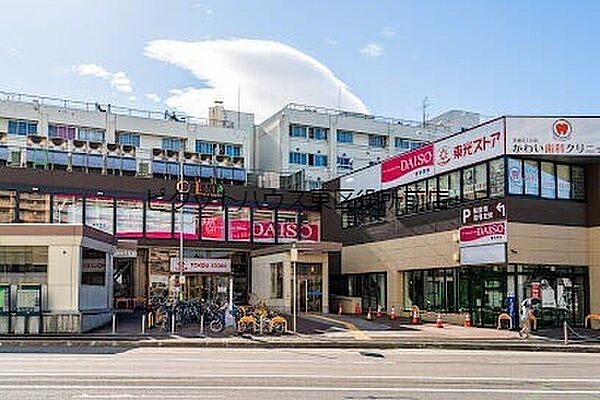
(483, 213)
(536, 290)
(213, 228)
(201, 265)
(239, 229)
(287, 230)
(483, 234)
(552, 136)
(407, 167)
(93, 265)
(470, 147)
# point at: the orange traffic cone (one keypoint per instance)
(379, 313)
(357, 310)
(340, 311)
(438, 322)
(467, 323)
(393, 315)
(369, 315)
(414, 318)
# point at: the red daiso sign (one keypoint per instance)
(265, 231)
(408, 167)
(476, 235)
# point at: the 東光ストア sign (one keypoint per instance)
(483, 213)
(201, 265)
(483, 234)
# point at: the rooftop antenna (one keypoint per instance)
(425, 105)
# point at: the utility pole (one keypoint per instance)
(425, 105)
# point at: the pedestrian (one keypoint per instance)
(526, 310)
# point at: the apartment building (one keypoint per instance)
(322, 143)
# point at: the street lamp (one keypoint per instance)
(294, 260)
(181, 190)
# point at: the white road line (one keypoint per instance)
(127, 377)
(311, 389)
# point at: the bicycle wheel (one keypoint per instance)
(278, 327)
(216, 325)
(241, 327)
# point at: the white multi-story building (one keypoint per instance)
(62, 134)
(323, 143)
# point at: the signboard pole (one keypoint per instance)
(181, 199)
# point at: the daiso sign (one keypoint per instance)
(408, 167)
(490, 233)
(266, 231)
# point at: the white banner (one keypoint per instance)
(202, 265)
(470, 147)
(552, 136)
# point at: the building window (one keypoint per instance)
(578, 182)
(298, 131)
(497, 178)
(67, 209)
(344, 162)
(34, 208)
(233, 150)
(345, 136)
(173, 144)
(62, 131)
(298, 158)
(515, 176)
(402, 144)
(317, 133)
(313, 184)
(277, 280)
(548, 187)
(22, 128)
(377, 141)
(475, 182)
(130, 218)
(563, 179)
(128, 139)
(531, 172)
(23, 260)
(8, 206)
(320, 160)
(159, 218)
(203, 147)
(91, 135)
(449, 189)
(99, 213)
(432, 290)
(238, 221)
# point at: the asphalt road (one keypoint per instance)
(187, 373)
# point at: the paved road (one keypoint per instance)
(160, 373)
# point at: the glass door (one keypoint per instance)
(309, 287)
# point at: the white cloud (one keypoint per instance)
(268, 75)
(118, 80)
(331, 42)
(153, 97)
(208, 12)
(389, 31)
(132, 98)
(372, 50)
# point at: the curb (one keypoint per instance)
(35, 343)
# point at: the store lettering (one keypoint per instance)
(403, 164)
(489, 230)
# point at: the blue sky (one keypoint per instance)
(509, 57)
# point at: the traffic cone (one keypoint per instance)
(414, 318)
(467, 323)
(393, 315)
(357, 310)
(438, 322)
(340, 311)
(369, 315)
(379, 313)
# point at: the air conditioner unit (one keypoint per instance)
(190, 156)
(143, 169)
(36, 141)
(206, 159)
(128, 150)
(57, 144)
(96, 147)
(3, 137)
(172, 155)
(159, 153)
(80, 146)
(114, 149)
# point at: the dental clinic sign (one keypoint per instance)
(484, 234)
(552, 136)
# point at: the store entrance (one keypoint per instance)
(209, 287)
(310, 287)
(488, 291)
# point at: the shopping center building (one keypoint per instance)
(477, 222)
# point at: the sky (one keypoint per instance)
(378, 57)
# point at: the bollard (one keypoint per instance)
(143, 324)
(172, 323)
(202, 324)
(566, 333)
(261, 320)
(114, 323)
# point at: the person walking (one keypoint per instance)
(526, 309)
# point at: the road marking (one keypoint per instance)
(312, 389)
(357, 333)
(146, 396)
(102, 378)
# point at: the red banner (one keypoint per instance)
(239, 229)
(494, 232)
(212, 228)
(408, 166)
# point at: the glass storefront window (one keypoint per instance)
(454, 187)
(432, 192)
(213, 222)
(264, 226)
(563, 178)
(412, 198)
(548, 181)
(130, 218)
(191, 214)
(578, 182)
(23, 264)
(277, 280)
(531, 173)
(34, 207)
(158, 220)
(8, 206)
(67, 209)
(401, 200)
(93, 267)
(475, 182)
(497, 178)
(239, 224)
(515, 176)
(287, 226)
(99, 213)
